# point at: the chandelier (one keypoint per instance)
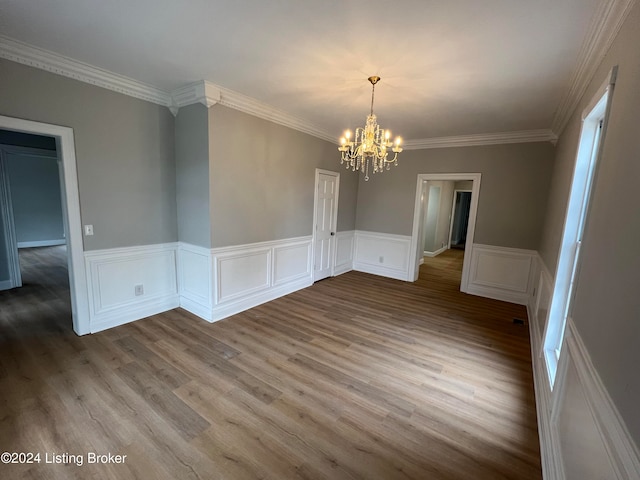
(370, 147)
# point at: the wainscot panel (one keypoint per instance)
(382, 254)
(501, 273)
(127, 284)
(245, 276)
(344, 252)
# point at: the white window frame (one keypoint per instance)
(594, 120)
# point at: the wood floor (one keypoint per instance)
(357, 376)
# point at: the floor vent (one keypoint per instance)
(518, 321)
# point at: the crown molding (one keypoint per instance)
(254, 107)
(202, 92)
(523, 136)
(52, 62)
(604, 27)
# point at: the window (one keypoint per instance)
(569, 258)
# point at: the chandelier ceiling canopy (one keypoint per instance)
(370, 147)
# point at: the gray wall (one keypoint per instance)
(124, 151)
(35, 196)
(262, 179)
(192, 175)
(513, 193)
(606, 310)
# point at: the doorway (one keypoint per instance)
(420, 210)
(65, 147)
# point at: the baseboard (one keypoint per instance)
(42, 243)
(129, 313)
(436, 253)
(225, 310)
(198, 309)
(381, 271)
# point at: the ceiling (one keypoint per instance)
(460, 67)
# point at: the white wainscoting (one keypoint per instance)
(113, 275)
(502, 273)
(195, 280)
(581, 432)
(344, 252)
(245, 276)
(382, 254)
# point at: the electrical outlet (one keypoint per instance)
(139, 290)
(88, 230)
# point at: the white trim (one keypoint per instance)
(195, 279)
(345, 244)
(370, 246)
(20, 52)
(42, 243)
(414, 258)
(551, 459)
(436, 253)
(523, 136)
(254, 107)
(614, 439)
(202, 92)
(70, 210)
(605, 25)
(112, 275)
(259, 280)
(621, 449)
(504, 274)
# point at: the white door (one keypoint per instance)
(326, 213)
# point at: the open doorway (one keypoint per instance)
(33, 234)
(71, 241)
(459, 219)
(441, 191)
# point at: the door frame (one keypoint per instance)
(414, 259)
(453, 210)
(334, 223)
(65, 147)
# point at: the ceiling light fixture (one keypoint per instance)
(370, 145)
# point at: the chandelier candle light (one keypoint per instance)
(370, 145)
